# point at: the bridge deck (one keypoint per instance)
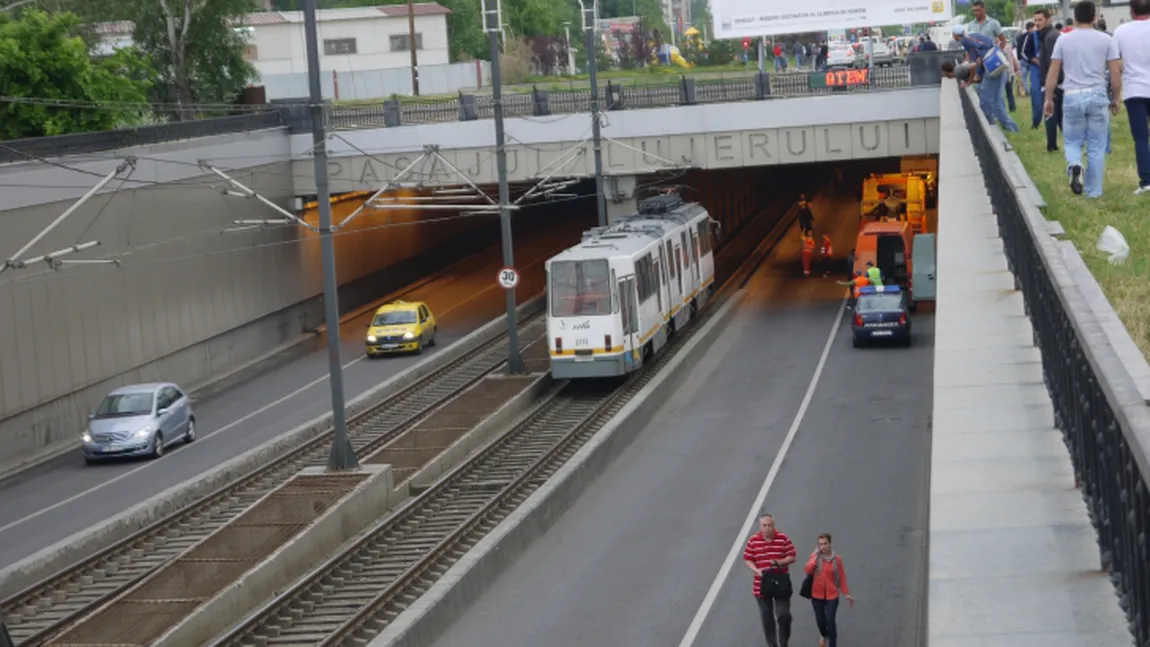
(1014, 560)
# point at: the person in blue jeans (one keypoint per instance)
(1085, 56)
(991, 88)
(1032, 52)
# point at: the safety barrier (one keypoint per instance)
(1097, 406)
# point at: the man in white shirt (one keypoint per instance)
(1134, 47)
(1084, 55)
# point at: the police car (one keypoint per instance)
(881, 314)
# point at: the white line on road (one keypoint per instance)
(737, 547)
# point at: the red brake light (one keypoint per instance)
(902, 319)
(858, 320)
(607, 342)
(559, 344)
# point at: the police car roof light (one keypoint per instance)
(882, 289)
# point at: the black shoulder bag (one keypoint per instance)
(776, 586)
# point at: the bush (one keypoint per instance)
(515, 62)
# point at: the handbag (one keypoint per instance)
(995, 63)
(776, 586)
(805, 590)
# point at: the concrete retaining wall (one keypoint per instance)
(83, 545)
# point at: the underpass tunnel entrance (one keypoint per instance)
(388, 253)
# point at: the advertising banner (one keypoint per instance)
(741, 18)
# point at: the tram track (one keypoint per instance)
(39, 612)
(356, 594)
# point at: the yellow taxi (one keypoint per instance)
(401, 326)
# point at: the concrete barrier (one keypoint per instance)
(469, 578)
(83, 545)
(340, 522)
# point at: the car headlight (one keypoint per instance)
(409, 335)
(143, 433)
(371, 339)
(86, 437)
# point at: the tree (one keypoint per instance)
(42, 58)
(196, 50)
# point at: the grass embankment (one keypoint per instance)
(1127, 286)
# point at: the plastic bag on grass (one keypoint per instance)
(1114, 243)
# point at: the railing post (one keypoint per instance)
(614, 96)
(542, 104)
(392, 113)
(687, 91)
(762, 85)
(467, 109)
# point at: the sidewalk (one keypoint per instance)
(1014, 560)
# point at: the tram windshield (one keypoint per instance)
(580, 288)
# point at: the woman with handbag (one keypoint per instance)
(826, 580)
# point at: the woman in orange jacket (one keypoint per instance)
(829, 579)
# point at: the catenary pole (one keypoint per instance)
(590, 26)
(412, 43)
(492, 22)
(342, 455)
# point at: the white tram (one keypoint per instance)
(615, 298)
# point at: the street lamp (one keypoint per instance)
(342, 455)
(492, 24)
(590, 28)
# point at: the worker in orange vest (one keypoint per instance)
(808, 252)
(826, 251)
(856, 284)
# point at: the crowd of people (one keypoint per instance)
(1077, 77)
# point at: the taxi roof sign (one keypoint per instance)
(880, 289)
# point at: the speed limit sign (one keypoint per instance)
(508, 278)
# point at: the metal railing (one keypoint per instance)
(22, 150)
(921, 69)
(1103, 418)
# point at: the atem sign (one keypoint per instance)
(742, 18)
(640, 155)
(839, 79)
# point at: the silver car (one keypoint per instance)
(139, 420)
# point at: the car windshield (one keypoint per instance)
(394, 318)
(879, 303)
(125, 404)
(580, 288)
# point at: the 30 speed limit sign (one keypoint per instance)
(508, 278)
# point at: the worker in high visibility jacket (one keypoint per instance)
(826, 251)
(873, 274)
(808, 252)
(856, 284)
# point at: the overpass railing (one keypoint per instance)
(921, 69)
(23, 150)
(1103, 418)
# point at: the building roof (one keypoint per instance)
(288, 17)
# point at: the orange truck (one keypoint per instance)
(895, 196)
(906, 258)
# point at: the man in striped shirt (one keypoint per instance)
(769, 552)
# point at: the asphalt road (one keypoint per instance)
(651, 553)
(64, 496)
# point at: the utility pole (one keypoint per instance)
(342, 455)
(492, 24)
(412, 44)
(590, 26)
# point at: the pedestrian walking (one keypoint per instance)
(825, 584)
(808, 251)
(1084, 56)
(768, 553)
(806, 217)
(826, 252)
(1032, 53)
(1134, 48)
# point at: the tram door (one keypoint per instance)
(629, 313)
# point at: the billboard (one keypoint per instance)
(742, 18)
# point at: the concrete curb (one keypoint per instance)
(68, 552)
(424, 621)
(344, 520)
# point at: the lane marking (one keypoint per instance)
(752, 516)
(213, 434)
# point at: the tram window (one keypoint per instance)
(580, 288)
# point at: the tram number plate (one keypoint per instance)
(584, 358)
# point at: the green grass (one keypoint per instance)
(1127, 286)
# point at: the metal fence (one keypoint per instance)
(922, 70)
(21, 150)
(1103, 419)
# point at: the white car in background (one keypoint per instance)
(883, 56)
(841, 55)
